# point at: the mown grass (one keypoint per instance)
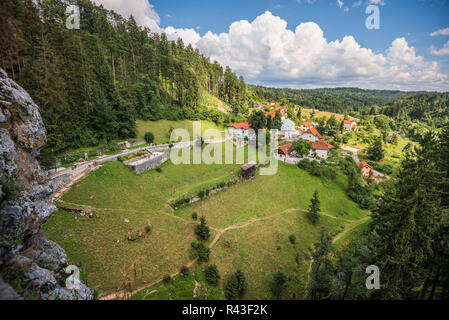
(123, 202)
(161, 128)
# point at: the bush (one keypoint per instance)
(158, 169)
(9, 189)
(194, 216)
(279, 281)
(167, 279)
(149, 137)
(184, 270)
(202, 230)
(148, 228)
(201, 194)
(235, 287)
(212, 275)
(292, 238)
(201, 251)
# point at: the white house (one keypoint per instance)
(311, 135)
(306, 126)
(321, 149)
(238, 129)
(239, 133)
(288, 129)
(350, 125)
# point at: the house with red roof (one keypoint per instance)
(350, 125)
(311, 135)
(285, 150)
(282, 111)
(271, 114)
(306, 126)
(321, 149)
(239, 133)
(366, 169)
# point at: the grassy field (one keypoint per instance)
(393, 153)
(252, 222)
(307, 113)
(161, 128)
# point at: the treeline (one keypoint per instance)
(338, 100)
(91, 84)
(408, 238)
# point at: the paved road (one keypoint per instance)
(354, 152)
(81, 166)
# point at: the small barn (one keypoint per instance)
(248, 171)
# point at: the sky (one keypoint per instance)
(310, 43)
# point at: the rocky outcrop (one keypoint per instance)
(32, 265)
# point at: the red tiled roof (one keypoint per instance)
(285, 149)
(281, 108)
(307, 124)
(241, 125)
(364, 164)
(314, 132)
(322, 145)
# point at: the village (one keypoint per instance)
(319, 146)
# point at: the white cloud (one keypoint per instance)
(142, 11)
(441, 52)
(340, 3)
(357, 4)
(441, 32)
(266, 52)
(377, 2)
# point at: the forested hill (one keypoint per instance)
(431, 108)
(339, 100)
(92, 83)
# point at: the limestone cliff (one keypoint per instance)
(32, 265)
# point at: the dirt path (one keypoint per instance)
(354, 225)
(220, 232)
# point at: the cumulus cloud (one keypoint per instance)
(441, 52)
(142, 11)
(266, 52)
(441, 32)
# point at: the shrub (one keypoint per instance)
(149, 137)
(212, 275)
(292, 238)
(167, 279)
(279, 281)
(298, 258)
(9, 189)
(202, 230)
(148, 228)
(194, 216)
(184, 270)
(235, 287)
(201, 194)
(201, 251)
(158, 169)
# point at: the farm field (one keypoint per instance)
(249, 227)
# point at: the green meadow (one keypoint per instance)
(250, 224)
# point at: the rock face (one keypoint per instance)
(32, 265)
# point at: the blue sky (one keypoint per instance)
(406, 23)
(413, 19)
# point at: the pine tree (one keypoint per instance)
(314, 209)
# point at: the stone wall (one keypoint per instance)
(141, 165)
